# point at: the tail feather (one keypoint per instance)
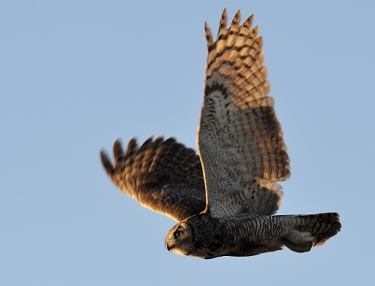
(311, 230)
(321, 226)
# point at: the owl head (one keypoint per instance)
(179, 239)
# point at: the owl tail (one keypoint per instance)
(310, 230)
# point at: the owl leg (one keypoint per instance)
(298, 237)
(301, 247)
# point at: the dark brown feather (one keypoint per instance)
(162, 175)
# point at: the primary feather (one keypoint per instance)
(162, 175)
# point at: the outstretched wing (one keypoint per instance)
(164, 176)
(239, 138)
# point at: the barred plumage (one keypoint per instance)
(225, 198)
(162, 175)
(239, 138)
(208, 236)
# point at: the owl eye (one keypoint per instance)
(178, 233)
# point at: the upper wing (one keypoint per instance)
(239, 138)
(163, 176)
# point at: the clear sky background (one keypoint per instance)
(76, 75)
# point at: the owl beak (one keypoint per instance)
(169, 247)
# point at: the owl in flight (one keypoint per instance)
(225, 198)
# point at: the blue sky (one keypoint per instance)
(76, 75)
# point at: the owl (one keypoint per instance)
(225, 198)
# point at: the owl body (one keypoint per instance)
(208, 236)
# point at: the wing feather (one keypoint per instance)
(239, 138)
(162, 175)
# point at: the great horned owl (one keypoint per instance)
(225, 198)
